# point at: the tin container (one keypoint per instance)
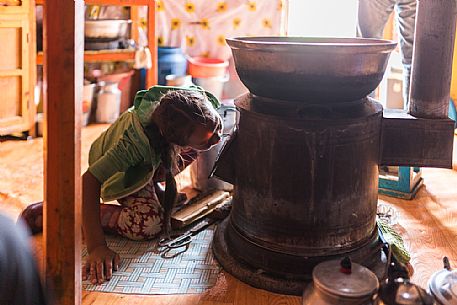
(331, 286)
(108, 102)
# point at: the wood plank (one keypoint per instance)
(14, 127)
(23, 8)
(15, 72)
(17, 67)
(10, 53)
(105, 55)
(10, 2)
(11, 99)
(63, 77)
(109, 55)
(32, 75)
(198, 208)
(134, 16)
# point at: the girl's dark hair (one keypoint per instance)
(176, 116)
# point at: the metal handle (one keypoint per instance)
(165, 254)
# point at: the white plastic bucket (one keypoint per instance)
(201, 168)
(178, 80)
(214, 85)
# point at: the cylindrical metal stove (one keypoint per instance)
(304, 161)
(305, 168)
(310, 191)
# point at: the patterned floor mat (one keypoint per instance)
(143, 271)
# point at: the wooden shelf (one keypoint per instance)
(109, 2)
(104, 55)
(122, 55)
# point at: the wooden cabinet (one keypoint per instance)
(17, 67)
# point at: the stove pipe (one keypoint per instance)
(432, 58)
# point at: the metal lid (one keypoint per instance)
(443, 285)
(360, 282)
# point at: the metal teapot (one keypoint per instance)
(443, 285)
(341, 283)
(397, 289)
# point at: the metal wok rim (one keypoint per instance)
(320, 44)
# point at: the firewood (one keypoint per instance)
(197, 208)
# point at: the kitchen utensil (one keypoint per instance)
(314, 70)
(397, 289)
(108, 102)
(106, 29)
(443, 285)
(341, 283)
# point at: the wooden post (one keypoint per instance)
(63, 80)
(151, 74)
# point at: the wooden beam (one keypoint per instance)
(134, 16)
(63, 82)
(98, 56)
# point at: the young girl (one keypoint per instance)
(151, 142)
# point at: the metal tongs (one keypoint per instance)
(182, 241)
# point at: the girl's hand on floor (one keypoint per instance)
(100, 264)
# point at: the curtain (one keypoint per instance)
(200, 27)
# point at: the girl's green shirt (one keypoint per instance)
(122, 158)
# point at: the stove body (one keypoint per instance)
(304, 160)
(306, 182)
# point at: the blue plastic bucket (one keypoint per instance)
(171, 60)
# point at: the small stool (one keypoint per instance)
(400, 181)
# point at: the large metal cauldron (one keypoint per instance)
(304, 161)
(326, 70)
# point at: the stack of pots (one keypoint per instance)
(209, 73)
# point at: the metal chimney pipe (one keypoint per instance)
(432, 58)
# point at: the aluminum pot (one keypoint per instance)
(311, 70)
(336, 284)
(106, 29)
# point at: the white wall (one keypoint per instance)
(322, 18)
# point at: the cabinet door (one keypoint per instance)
(17, 74)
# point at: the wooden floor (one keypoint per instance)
(428, 225)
